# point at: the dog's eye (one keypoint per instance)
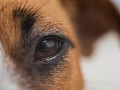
(48, 47)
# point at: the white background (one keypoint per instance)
(102, 70)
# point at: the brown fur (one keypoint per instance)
(51, 15)
(14, 44)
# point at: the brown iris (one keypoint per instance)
(48, 47)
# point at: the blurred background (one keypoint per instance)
(101, 70)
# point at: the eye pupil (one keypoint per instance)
(48, 48)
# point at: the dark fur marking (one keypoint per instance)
(26, 17)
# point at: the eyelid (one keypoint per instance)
(61, 37)
(39, 36)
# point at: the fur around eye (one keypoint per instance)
(51, 51)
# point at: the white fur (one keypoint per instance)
(6, 82)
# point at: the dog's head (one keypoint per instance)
(39, 43)
(40, 47)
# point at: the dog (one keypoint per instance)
(41, 41)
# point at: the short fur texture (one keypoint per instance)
(24, 22)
